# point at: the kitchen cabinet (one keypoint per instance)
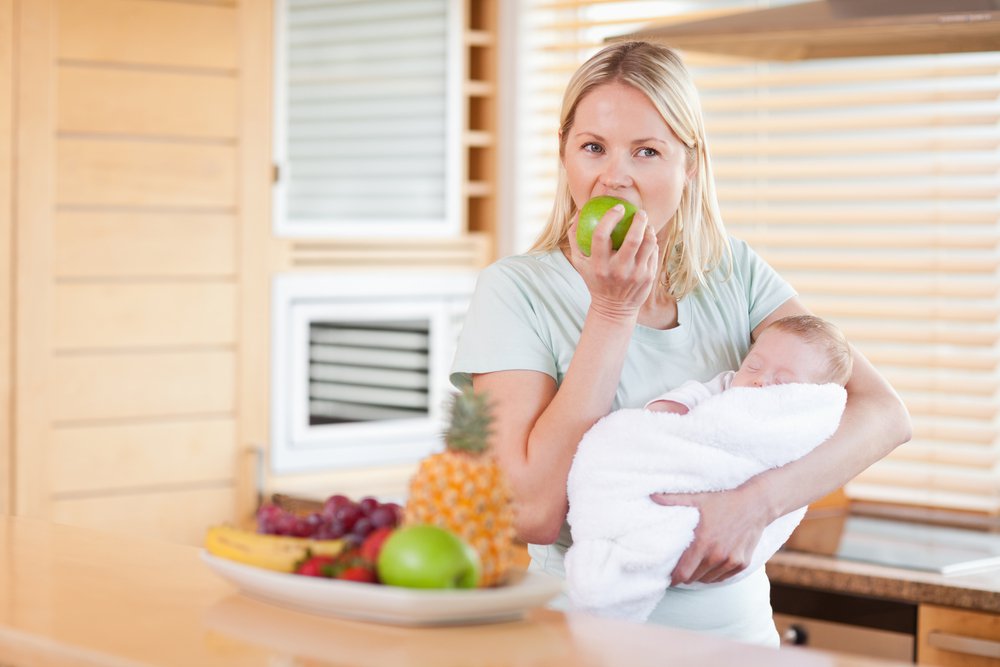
(953, 637)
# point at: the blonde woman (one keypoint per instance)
(559, 339)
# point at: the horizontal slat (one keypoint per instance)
(917, 69)
(922, 310)
(966, 213)
(178, 34)
(983, 384)
(964, 407)
(855, 145)
(892, 240)
(126, 456)
(971, 165)
(128, 101)
(174, 514)
(832, 261)
(868, 191)
(971, 456)
(947, 478)
(778, 125)
(920, 286)
(908, 357)
(144, 314)
(94, 172)
(130, 385)
(130, 243)
(973, 434)
(923, 497)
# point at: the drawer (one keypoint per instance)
(957, 638)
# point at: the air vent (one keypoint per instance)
(360, 366)
(368, 371)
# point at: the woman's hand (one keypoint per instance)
(619, 280)
(728, 531)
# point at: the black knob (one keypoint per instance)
(796, 635)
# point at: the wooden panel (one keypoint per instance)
(128, 243)
(953, 637)
(91, 315)
(127, 456)
(113, 386)
(128, 101)
(35, 106)
(126, 173)
(148, 32)
(255, 249)
(6, 252)
(177, 516)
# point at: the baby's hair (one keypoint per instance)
(818, 331)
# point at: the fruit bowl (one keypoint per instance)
(390, 604)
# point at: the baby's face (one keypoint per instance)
(779, 357)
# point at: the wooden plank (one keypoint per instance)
(131, 315)
(179, 516)
(129, 243)
(34, 56)
(148, 32)
(256, 250)
(6, 253)
(128, 456)
(980, 630)
(141, 385)
(94, 172)
(143, 102)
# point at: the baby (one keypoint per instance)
(787, 398)
(798, 348)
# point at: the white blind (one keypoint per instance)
(365, 106)
(871, 185)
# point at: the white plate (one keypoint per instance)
(389, 604)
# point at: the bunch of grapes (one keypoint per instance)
(339, 518)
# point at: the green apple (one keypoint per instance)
(591, 214)
(425, 556)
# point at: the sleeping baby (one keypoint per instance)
(786, 399)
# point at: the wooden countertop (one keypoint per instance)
(71, 596)
(977, 592)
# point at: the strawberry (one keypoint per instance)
(372, 545)
(317, 566)
(359, 573)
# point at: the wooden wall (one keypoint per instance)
(128, 273)
(136, 258)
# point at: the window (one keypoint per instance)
(367, 118)
(872, 186)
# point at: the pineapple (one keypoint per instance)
(464, 490)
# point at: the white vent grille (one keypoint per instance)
(369, 371)
(360, 366)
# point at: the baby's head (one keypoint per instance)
(799, 348)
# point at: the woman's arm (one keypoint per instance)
(874, 422)
(536, 426)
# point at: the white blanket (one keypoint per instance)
(624, 545)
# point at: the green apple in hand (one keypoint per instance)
(591, 214)
(428, 557)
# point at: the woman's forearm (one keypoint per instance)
(536, 448)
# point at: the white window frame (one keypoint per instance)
(451, 225)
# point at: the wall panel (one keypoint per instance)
(118, 244)
(143, 314)
(6, 252)
(95, 172)
(154, 103)
(142, 385)
(115, 457)
(149, 32)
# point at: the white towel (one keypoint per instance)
(624, 545)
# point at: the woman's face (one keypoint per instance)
(619, 145)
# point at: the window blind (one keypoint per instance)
(366, 125)
(871, 185)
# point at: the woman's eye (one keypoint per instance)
(591, 147)
(647, 152)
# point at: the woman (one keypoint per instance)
(559, 339)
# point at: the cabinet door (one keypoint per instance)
(958, 638)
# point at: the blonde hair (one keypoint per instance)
(696, 241)
(817, 331)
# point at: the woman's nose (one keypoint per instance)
(616, 172)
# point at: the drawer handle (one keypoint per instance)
(967, 645)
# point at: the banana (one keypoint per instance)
(272, 552)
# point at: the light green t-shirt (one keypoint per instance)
(527, 313)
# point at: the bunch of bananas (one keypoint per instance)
(272, 552)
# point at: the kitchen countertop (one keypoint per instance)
(976, 591)
(72, 596)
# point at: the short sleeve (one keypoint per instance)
(765, 289)
(502, 329)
